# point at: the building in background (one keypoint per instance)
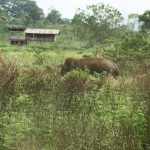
(17, 35)
(41, 34)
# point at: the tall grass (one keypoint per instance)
(40, 109)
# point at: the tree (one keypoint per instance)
(97, 22)
(22, 11)
(32, 12)
(145, 19)
(3, 17)
(9, 6)
(54, 17)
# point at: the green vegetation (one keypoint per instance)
(96, 23)
(145, 18)
(43, 110)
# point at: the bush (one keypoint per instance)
(133, 44)
(8, 76)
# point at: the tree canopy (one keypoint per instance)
(21, 11)
(145, 19)
(3, 17)
(97, 22)
(54, 17)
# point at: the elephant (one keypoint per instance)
(94, 64)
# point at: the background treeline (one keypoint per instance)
(96, 26)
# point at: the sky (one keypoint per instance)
(68, 8)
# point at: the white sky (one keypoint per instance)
(68, 7)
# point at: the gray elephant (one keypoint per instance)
(93, 64)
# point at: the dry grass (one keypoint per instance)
(8, 76)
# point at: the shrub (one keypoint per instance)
(76, 111)
(133, 44)
(8, 76)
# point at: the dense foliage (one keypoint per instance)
(54, 17)
(43, 110)
(145, 19)
(134, 45)
(21, 11)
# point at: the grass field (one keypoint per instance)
(42, 110)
